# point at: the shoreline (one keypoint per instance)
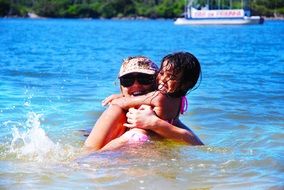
(35, 16)
(273, 18)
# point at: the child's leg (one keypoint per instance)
(108, 127)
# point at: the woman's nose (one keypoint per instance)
(136, 86)
(136, 83)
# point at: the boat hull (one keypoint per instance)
(219, 21)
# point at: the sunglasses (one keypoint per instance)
(143, 79)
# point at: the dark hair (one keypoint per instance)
(190, 67)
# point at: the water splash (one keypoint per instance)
(31, 142)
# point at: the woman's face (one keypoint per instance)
(135, 84)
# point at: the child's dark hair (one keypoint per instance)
(190, 67)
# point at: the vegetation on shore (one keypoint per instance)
(122, 8)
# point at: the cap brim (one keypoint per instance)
(144, 71)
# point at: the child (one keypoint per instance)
(178, 74)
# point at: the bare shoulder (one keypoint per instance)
(157, 96)
(154, 98)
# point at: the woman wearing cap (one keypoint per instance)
(137, 76)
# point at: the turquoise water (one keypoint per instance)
(54, 74)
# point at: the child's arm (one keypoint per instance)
(108, 99)
(165, 107)
(153, 99)
(145, 118)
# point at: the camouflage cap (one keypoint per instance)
(138, 64)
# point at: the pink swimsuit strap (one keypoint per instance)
(184, 105)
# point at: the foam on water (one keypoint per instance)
(31, 142)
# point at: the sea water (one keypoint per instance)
(55, 73)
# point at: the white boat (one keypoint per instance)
(208, 16)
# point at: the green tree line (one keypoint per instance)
(124, 8)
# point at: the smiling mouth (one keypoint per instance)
(137, 93)
(163, 87)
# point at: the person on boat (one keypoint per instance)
(112, 123)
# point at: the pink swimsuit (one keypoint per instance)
(184, 105)
(134, 136)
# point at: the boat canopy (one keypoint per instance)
(234, 13)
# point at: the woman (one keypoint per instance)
(137, 76)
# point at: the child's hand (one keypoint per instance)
(110, 98)
(143, 118)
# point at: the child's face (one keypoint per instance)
(167, 80)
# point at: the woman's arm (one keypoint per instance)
(145, 118)
(108, 127)
(129, 137)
